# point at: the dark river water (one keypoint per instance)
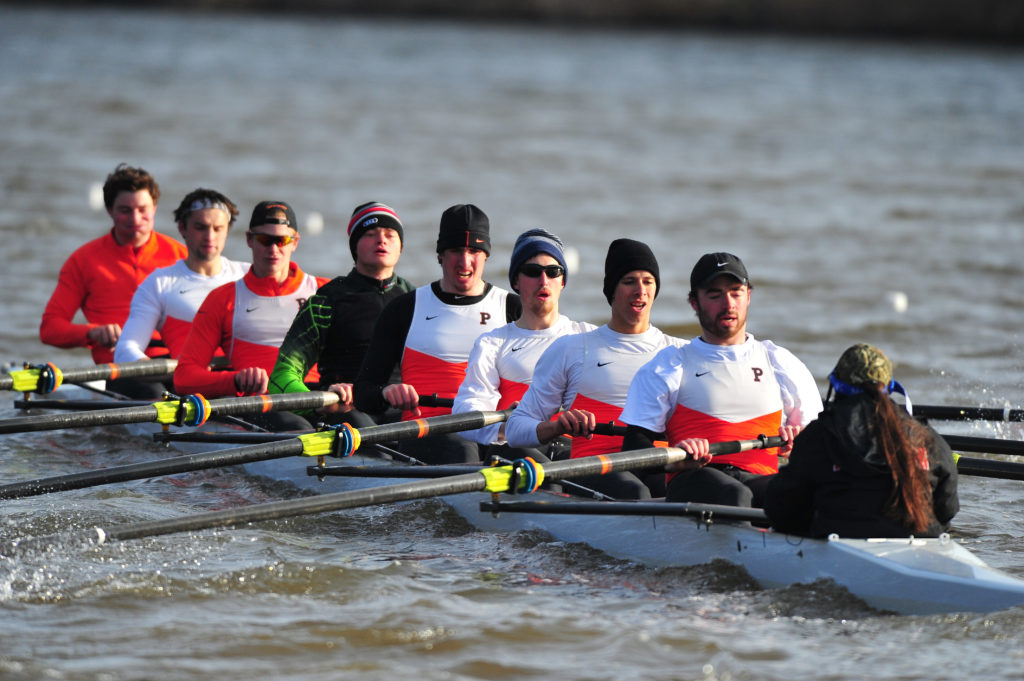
(875, 191)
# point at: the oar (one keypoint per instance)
(79, 405)
(988, 468)
(45, 378)
(342, 441)
(191, 410)
(954, 413)
(521, 476)
(985, 445)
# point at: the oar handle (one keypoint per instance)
(435, 401)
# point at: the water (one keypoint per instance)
(843, 172)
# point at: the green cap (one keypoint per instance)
(862, 364)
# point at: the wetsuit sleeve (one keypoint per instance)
(479, 390)
(209, 332)
(789, 498)
(544, 398)
(944, 480)
(142, 321)
(384, 354)
(56, 327)
(801, 399)
(513, 307)
(302, 345)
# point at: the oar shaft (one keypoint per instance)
(296, 507)
(953, 413)
(989, 468)
(984, 445)
(420, 489)
(150, 469)
(292, 446)
(435, 425)
(225, 406)
(80, 419)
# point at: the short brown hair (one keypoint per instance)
(125, 178)
(207, 198)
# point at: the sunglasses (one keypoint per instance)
(269, 240)
(533, 270)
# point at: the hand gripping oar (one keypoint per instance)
(522, 476)
(340, 441)
(191, 410)
(45, 378)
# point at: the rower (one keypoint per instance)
(333, 328)
(723, 385)
(502, 362)
(428, 334)
(587, 375)
(247, 319)
(101, 276)
(865, 467)
(167, 299)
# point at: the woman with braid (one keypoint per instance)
(865, 467)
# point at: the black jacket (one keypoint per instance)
(837, 481)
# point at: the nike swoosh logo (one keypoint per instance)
(250, 309)
(721, 264)
(518, 349)
(184, 291)
(601, 364)
(434, 317)
(702, 373)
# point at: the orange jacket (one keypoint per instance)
(100, 278)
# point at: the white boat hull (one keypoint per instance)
(910, 576)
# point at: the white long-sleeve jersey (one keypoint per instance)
(501, 367)
(166, 301)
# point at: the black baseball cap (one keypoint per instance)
(261, 215)
(713, 265)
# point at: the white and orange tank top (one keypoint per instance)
(440, 339)
(724, 392)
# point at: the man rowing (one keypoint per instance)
(587, 375)
(502, 362)
(333, 328)
(428, 334)
(167, 299)
(723, 385)
(101, 276)
(247, 319)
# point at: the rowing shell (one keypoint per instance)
(908, 576)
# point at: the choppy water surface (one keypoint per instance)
(849, 175)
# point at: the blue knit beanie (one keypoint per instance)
(534, 242)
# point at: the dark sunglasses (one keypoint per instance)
(271, 239)
(533, 270)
